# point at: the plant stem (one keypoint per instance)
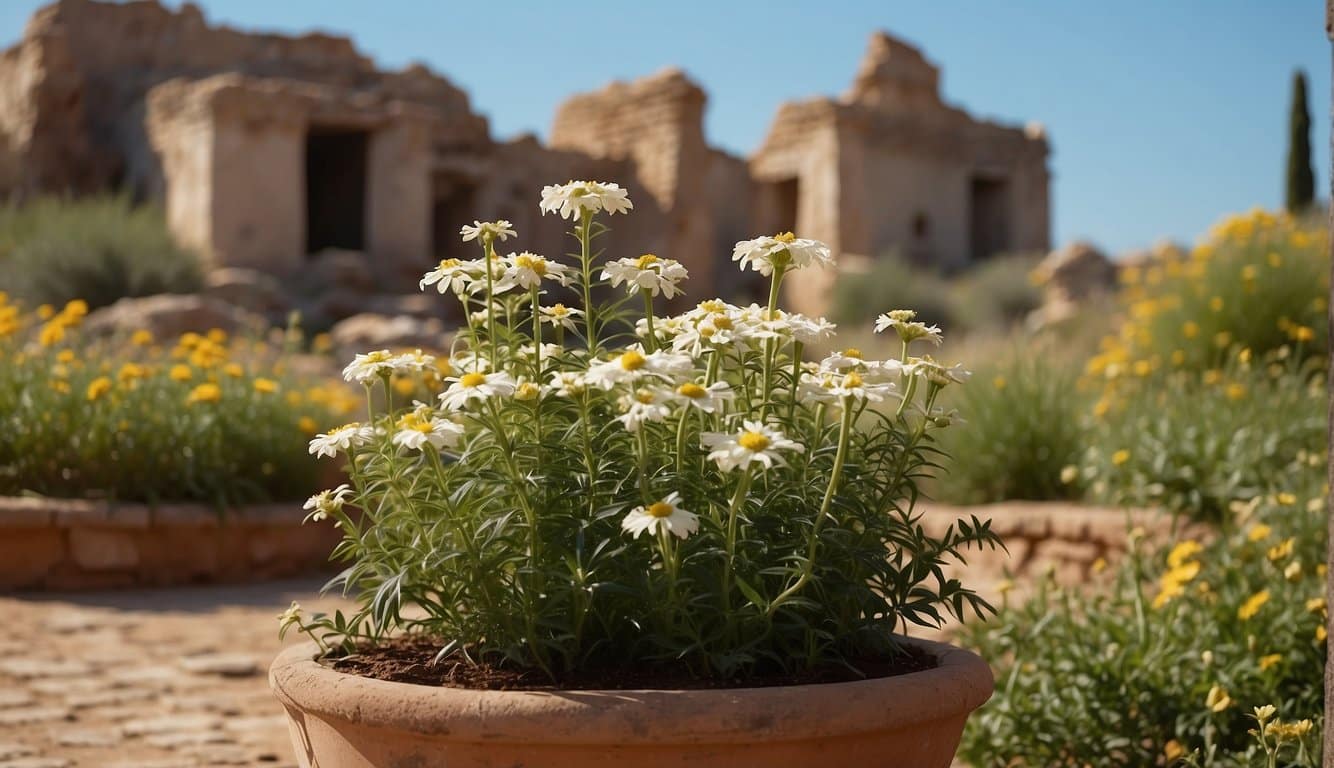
(650, 343)
(808, 567)
(738, 498)
(488, 253)
(586, 264)
(771, 345)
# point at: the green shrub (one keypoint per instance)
(212, 419)
(1193, 443)
(1021, 428)
(98, 250)
(1259, 282)
(996, 294)
(1130, 672)
(891, 282)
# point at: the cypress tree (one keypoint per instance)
(1300, 188)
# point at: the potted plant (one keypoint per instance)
(671, 541)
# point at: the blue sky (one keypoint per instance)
(1162, 115)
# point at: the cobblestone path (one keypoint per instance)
(171, 678)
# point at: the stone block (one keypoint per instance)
(27, 555)
(103, 550)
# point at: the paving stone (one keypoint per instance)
(170, 724)
(37, 762)
(14, 697)
(28, 669)
(65, 686)
(12, 750)
(110, 697)
(177, 739)
(88, 738)
(222, 664)
(154, 677)
(30, 715)
(220, 755)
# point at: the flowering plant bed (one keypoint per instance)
(682, 493)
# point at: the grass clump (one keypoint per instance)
(97, 250)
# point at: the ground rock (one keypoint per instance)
(168, 315)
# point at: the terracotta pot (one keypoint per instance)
(910, 721)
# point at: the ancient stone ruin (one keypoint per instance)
(270, 150)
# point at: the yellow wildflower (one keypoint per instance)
(1316, 605)
(141, 338)
(1183, 552)
(1217, 700)
(1252, 606)
(265, 386)
(1281, 551)
(1173, 750)
(204, 393)
(98, 387)
(307, 425)
(234, 370)
(1268, 661)
(1216, 304)
(1286, 499)
(1235, 391)
(1120, 457)
(181, 373)
(1259, 532)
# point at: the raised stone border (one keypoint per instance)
(1064, 537)
(72, 544)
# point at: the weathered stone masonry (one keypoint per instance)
(268, 149)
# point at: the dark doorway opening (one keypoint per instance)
(988, 217)
(786, 194)
(335, 189)
(453, 204)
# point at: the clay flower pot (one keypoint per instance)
(910, 721)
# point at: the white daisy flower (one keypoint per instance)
(833, 386)
(568, 384)
(664, 328)
(561, 315)
(756, 443)
(529, 390)
(708, 399)
(572, 198)
(420, 428)
(632, 364)
(370, 366)
(549, 351)
(909, 330)
(476, 386)
(794, 252)
(452, 275)
(664, 515)
(343, 438)
(936, 373)
(326, 503)
(843, 360)
(413, 362)
(808, 330)
(501, 278)
(644, 406)
(646, 273)
(528, 270)
(488, 230)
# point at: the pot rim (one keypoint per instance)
(959, 683)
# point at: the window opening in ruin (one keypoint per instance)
(453, 204)
(335, 189)
(988, 217)
(921, 225)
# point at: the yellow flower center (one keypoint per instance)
(644, 396)
(852, 381)
(785, 237)
(853, 352)
(753, 441)
(449, 263)
(560, 310)
(632, 361)
(646, 261)
(721, 322)
(473, 379)
(529, 261)
(692, 390)
(660, 509)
